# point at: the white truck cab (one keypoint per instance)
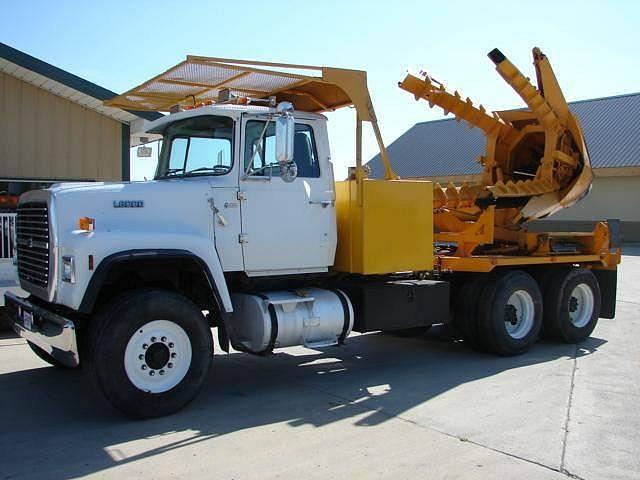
(242, 200)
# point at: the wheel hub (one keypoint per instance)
(519, 314)
(510, 314)
(581, 305)
(157, 356)
(573, 304)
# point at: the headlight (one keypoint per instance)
(68, 269)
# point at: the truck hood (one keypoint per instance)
(176, 204)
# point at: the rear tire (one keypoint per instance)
(571, 305)
(48, 358)
(466, 312)
(510, 312)
(150, 352)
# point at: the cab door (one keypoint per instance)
(225, 206)
(287, 227)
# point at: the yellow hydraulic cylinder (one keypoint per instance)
(534, 100)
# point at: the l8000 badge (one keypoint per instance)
(128, 204)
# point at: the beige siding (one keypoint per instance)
(610, 197)
(46, 136)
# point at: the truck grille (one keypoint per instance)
(32, 242)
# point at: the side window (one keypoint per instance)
(260, 154)
(178, 153)
(304, 152)
(260, 149)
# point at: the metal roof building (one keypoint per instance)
(445, 151)
(55, 127)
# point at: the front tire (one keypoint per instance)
(571, 305)
(150, 352)
(510, 312)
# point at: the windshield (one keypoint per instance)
(197, 146)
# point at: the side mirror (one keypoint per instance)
(285, 129)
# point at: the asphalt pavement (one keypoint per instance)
(379, 407)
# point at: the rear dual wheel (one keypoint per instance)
(466, 311)
(499, 312)
(504, 312)
(571, 305)
(510, 312)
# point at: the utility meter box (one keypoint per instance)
(389, 230)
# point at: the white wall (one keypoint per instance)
(610, 197)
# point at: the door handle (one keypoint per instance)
(323, 203)
(222, 222)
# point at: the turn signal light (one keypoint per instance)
(87, 224)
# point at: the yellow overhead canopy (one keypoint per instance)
(200, 79)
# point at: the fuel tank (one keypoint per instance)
(312, 317)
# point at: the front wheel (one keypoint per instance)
(150, 352)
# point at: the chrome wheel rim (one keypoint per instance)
(158, 356)
(519, 313)
(581, 304)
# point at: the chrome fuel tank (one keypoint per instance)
(312, 317)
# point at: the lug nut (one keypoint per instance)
(145, 346)
(173, 355)
(152, 373)
(161, 372)
(171, 345)
(170, 365)
(144, 367)
(163, 339)
(140, 357)
(153, 339)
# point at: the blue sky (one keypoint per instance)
(593, 46)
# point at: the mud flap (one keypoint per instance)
(223, 335)
(608, 281)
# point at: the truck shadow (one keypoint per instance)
(54, 425)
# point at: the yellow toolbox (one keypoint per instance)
(389, 230)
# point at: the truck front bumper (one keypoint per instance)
(51, 332)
